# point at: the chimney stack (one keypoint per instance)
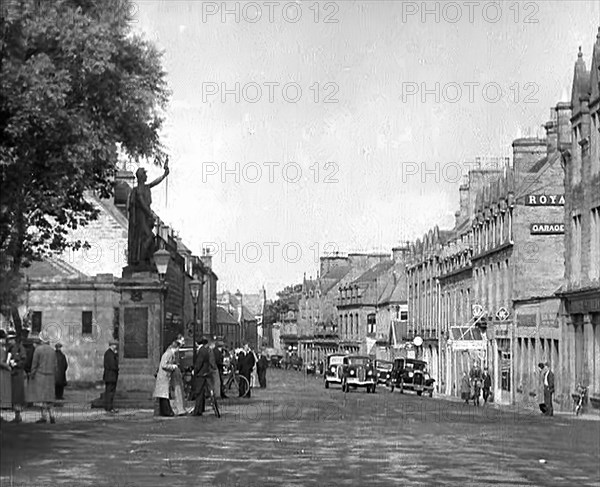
(526, 152)
(563, 129)
(551, 134)
(206, 258)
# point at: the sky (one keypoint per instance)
(296, 129)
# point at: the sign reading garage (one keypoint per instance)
(547, 228)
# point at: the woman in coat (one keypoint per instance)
(465, 387)
(41, 378)
(17, 356)
(5, 380)
(168, 364)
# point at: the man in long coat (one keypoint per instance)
(202, 375)
(60, 378)
(111, 375)
(261, 369)
(548, 383)
(168, 364)
(43, 370)
(246, 364)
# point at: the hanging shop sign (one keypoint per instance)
(547, 228)
(545, 200)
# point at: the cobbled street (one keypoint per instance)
(295, 432)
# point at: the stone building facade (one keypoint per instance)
(581, 287)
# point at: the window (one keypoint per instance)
(576, 174)
(594, 272)
(404, 315)
(576, 249)
(371, 323)
(36, 322)
(86, 322)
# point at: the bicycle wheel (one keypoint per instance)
(244, 384)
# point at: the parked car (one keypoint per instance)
(411, 374)
(333, 369)
(358, 371)
(384, 370)
(276, 361)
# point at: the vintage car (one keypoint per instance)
(358, 371)
(384, 370)
(333, 369)
(411, 374)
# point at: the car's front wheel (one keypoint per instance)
(326, 384)
(419, 393)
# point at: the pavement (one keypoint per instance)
(296, 433)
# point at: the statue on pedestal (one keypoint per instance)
(140, 241)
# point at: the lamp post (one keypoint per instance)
(161, 259)
(195, 286)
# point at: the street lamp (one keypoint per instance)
(161, 259)
(195, 286)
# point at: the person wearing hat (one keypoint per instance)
(60, 378)
(218, 351)
(43, 370)
(5, 389)
(17, 356)
(111, 375)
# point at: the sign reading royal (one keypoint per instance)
(547, 228)
(545, 200)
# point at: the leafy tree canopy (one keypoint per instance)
(77, 87)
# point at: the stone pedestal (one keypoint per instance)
(140, 329)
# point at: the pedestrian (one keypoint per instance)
(465, 388)
(261, 368)
(162, 386)
(548, 382)
(176, 386)
(476, 376)
(60, 378)
(487, 385)
(216, 363)
(202, 375)
(5, 379)
(246, 364)
(220, 361)
(111, 375)
(42, 377)
(321, 366)
(17, 357)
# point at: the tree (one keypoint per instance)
(77, 88)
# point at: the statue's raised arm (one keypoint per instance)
(159, 179)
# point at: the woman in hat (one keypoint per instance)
(5, 389)
(17, 356)
(43, 370)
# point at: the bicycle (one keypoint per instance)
(579, 399)
(232, 382)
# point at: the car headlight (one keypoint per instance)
(351, 372)
(387, 375)
(410, 374)
(369, 372)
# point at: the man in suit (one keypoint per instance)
(218, 351)
(548, 381)
(487, 385)
(202, 374)
(246, 362)
(111, 375)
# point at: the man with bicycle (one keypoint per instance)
(202, 376)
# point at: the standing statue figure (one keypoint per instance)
(140, 241)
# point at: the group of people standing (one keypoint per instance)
(36, 376)
(474, 382)
(208, 376)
